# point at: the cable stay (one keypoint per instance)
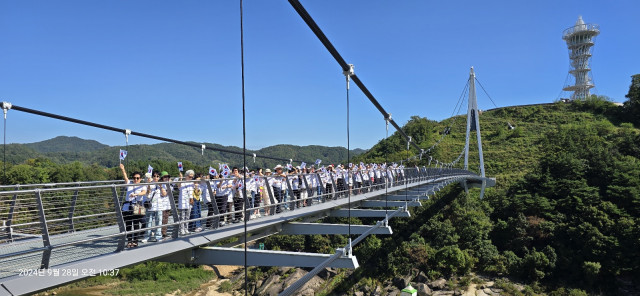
(494, 103)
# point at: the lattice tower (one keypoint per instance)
(580, 38)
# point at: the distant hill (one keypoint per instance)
(66, 144)
(65, 149)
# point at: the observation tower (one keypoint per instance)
(580, 38)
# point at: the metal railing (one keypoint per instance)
(45, 227)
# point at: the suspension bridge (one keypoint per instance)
(54, 234)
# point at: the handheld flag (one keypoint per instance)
(303, 165)
(225, 173)
(289, 166)
(318, 161)
(350, 165)
(150, 169)
(123, 154)
(213, 171)
(179, 166)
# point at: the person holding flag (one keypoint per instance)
(196, 207)
(238, 196)
(224, 193)
(185, 200)
(134, 197)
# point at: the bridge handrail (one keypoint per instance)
(51, 184)
(48, 220)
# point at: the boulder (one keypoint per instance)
(442, 293)
(438, 284)
(402, 282)
(420, 278)
(481, 293)
(359, 293)
(269, 284)
(423, 289)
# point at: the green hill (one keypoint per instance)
(66, 144)
(50, 160)
(565, 211)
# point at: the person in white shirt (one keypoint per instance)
(304, 194)
(266, 198)
(294, 182)
(154, 213)
(185, 200)
(358, 180)
(166, 204)
(223, 193)
(238, 195)
(135, 195)
(276, 183)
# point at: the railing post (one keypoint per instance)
(121, 226)
(216, 221)
(10, 215)
(46, 254)
(72, 209)
(333, 185)
(174, 212)
(292, 196)
(306, 185)
(270, 195)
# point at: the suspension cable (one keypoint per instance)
(244, 153)
(347, 75)
(111, 128)
(494, 103)
(386, 160)
(5, 107)
(343, 64)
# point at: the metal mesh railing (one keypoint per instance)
(47, 227)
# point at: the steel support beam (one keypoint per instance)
(390, 203)
(72, 209)
(365, 213)
(235, 256)
(46, 241)
(120, 218)
(408, 198)
(321, 228)
(12, 207)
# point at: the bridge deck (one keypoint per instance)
(82, 253)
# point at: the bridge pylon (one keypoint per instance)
(473, 124)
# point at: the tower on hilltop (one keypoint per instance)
(580, 38)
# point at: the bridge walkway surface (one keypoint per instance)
(54, 236)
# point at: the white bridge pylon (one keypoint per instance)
(473, 124)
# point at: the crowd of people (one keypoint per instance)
(149, 198)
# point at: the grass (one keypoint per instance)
(150, 278)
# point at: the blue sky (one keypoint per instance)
(172, 68)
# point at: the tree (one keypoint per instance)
(632, 106)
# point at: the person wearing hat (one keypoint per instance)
(166, 205)
(276, 182)
(265, 193)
